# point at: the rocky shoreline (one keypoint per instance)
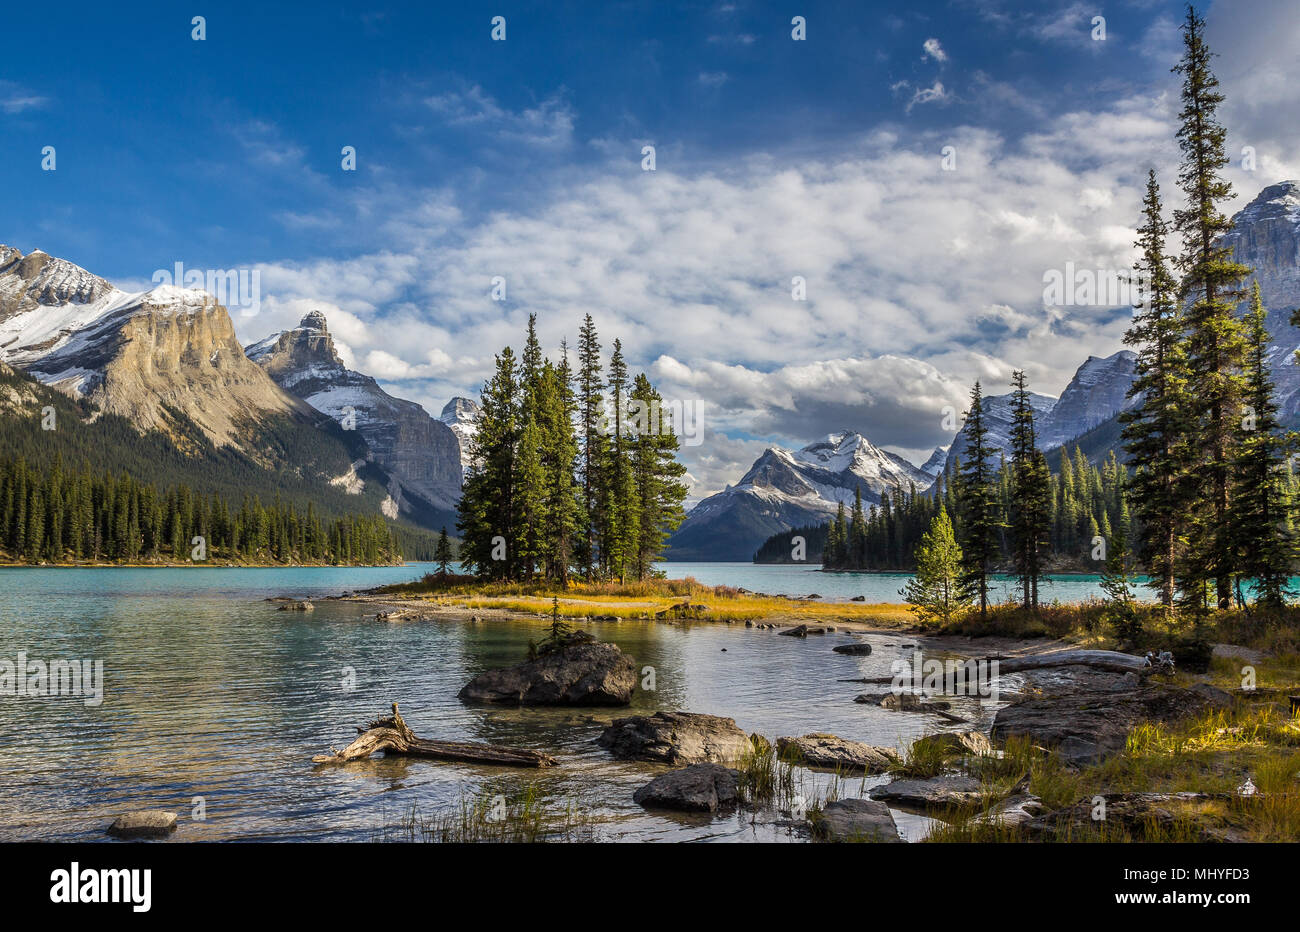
(1082, 714)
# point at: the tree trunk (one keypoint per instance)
(390, 734)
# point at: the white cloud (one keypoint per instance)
(549, 124)
(931, 48)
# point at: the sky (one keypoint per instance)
(819, 160)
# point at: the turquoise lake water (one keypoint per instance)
(211, 693)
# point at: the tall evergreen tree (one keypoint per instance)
(1263, 549)
(1211, 288)
(1030, 494)
(591, 421)
(656, 475)
(977, 497)
(487, 515)
(1155, 431)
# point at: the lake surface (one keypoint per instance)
(800, 580)
(211, 692)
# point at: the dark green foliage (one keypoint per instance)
(778, 547)
(544, 498)
(59, 515)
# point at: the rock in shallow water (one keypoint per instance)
(823, 750)
(856, 820)
(575, 674)
(935, 792)
(146, 823)
(676, 738)
(697, 788)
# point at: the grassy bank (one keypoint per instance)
(667, 599)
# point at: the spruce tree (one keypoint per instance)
(937, 593)
(1155, 431)
(486, 514)
(1263, 549)
(591, 421)
(1030, 494)
(656, 475)
(442, 553)
(977, 497)
(1211, 288)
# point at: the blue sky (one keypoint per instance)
(522, 158)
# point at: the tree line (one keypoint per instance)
(1083, 502)
(58, 515)
(573, 470)
(1211, 495)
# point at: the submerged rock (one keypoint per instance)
(936, 792)
(856, 820)
(145, 823)
(857, 648)
(297, 607)
(830, 751)
(676, 738)
(577, 673)
(697, 788)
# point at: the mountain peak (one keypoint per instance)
(314, 320)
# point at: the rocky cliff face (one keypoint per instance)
(421, 454)
(789, 488)
(461, 415)
(145, 356)
(1097, 393)
(997, 418)
(1266, 236)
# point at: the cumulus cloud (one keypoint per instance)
(931, 48)
(918, 280)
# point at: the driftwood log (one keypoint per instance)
(390, 734)
(1109, 660)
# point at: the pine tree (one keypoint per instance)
(977, 497)
(1117, 582)
(591, 421)
(1155, 430)
(442, 553)
(621, 527)
(487, 510)
(562, 508)
(1263, 550)
(937, 593)
(1030, 494)
(1216, 344)
(656, 475)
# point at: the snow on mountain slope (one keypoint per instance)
(788, 488)
(1097, 393)
(461, 415)
(421, 453)
(144, 356)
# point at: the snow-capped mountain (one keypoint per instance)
(1266, 236)
(997, 418)
(420, 453)
(788, 488)
(934, 465)
(147, 356)
(1097, 393)
(461, 415)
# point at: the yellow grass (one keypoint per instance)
(644, 600)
